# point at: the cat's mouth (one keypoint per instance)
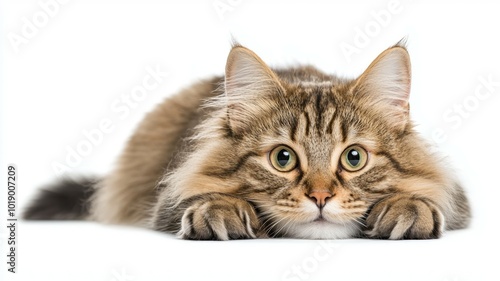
(319, 226)
(320, 218)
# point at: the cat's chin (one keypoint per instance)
(322, 229)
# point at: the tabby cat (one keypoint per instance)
(263, 152)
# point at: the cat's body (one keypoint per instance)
(292, 152)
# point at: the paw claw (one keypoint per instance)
(404, 217)
(222, 218)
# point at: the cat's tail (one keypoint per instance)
(67, 199)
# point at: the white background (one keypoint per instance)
(64, 77)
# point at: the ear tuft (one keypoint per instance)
(248, 81)
(385, 85)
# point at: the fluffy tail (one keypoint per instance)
(67, 199)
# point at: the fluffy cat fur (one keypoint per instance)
(206, 163)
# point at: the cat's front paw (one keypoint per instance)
(404, 217)
(220, 218)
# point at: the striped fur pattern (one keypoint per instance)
(227, 188)
(201, 165)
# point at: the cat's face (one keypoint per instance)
(322, 152)
(319, 166)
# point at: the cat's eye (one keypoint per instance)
(283, 158)
(354, 158)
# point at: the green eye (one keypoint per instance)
(283, 158)
(354, 158)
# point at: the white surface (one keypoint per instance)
(70, 74)
(84, 251)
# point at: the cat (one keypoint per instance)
(263, 152)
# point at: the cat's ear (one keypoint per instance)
(385, 86)
(248, 81)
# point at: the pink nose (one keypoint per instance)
(320, 197)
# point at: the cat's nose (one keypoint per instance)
(320, 197)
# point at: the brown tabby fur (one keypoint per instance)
(198, 165)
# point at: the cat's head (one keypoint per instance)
(313, 152)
